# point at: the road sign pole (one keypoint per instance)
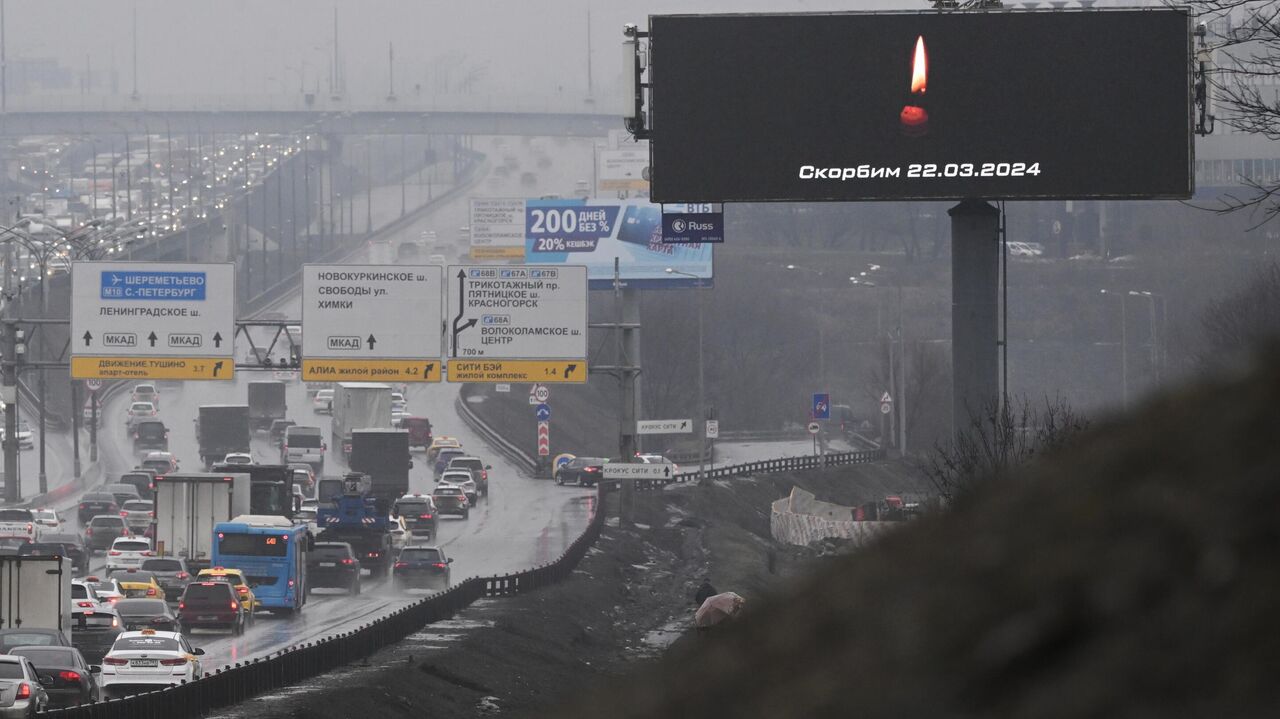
(44, 478)
(10, 379)
(75, 426)
(93, 426)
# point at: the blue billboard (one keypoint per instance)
(594, 232)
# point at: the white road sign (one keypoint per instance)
(814, 428)
(371, 322)
(713, 429)
(540, 392)
(664, 426)
(497, 228)
(517, 312)
(622, 170)
(618, 470)
(150, 320)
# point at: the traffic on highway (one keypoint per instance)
(233, 519)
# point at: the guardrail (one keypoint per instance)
(236, 683)
(508, 449)
(762, 467)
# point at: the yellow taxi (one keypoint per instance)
(236, 579)
(138, 584)
(439, 443)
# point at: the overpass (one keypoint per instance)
(550, 115)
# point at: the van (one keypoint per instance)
(303, 444)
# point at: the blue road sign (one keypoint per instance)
(158, 286)
(822, 406)
(542, 412)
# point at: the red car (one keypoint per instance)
(419, 431)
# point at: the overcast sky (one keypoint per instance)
(257, 46)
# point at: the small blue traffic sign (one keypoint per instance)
(822, 406)
(542, 412)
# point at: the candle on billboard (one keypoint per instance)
(914, 117)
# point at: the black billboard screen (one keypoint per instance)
(884, 106)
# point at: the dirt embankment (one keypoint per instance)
(1132, 575)
(630, 598)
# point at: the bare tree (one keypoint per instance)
(998, 440)
(1244, 320)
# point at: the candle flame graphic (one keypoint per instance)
(919, 68)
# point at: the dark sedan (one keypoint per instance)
(421, 568)
(93, 504)
(45, 548)
(171, 573)
(74, 682)
(139, 614)
(32, 637)
(93, 631)
(72, 548)
(584, 471)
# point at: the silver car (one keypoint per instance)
(22, 692)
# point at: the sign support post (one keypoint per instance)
(11, 339)
(975, 254)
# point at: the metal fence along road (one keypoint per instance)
(236, 683)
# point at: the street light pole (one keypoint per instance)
(702, 399)
(1124, 349)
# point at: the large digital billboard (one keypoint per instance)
(595, 232)
(884, 106)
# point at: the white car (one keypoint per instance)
(127, 552)
(106, 589)
(238, 458)
(148, 659)
(47, 518)
(323, 402)
(461, 478)
(139, 410)
(26, 438)
(399, 533)
(437, 260)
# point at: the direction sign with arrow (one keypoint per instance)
(664, 426)
(380, 323)
(542, 412)
(504, 317)
(152, 320)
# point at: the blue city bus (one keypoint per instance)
(272, 554)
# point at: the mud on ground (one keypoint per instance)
(629, 599)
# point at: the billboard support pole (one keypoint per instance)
(975, 357)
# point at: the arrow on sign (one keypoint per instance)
(87, 338)
(684, 424)
(152, 339)
(372, 341)
(458, 324)
(217, 339)
(568, 370)
(666, 471)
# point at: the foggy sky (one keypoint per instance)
(272, 46)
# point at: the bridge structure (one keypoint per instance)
(547, 115)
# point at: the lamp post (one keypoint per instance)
(1124, 348)
(1156, 338)
(898, 365)
(702, 400)
(822, 332)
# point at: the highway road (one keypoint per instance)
(522, 523)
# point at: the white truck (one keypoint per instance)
(17, 522)
(359, 405)
(187, 507)
(36, 592)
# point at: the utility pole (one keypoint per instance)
(134, 95)
(93, 426)
(4, 66)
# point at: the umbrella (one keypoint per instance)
(716, 609)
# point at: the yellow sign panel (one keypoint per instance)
(370, 370)
(545, 371)
(497, 253)
(151, 368)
